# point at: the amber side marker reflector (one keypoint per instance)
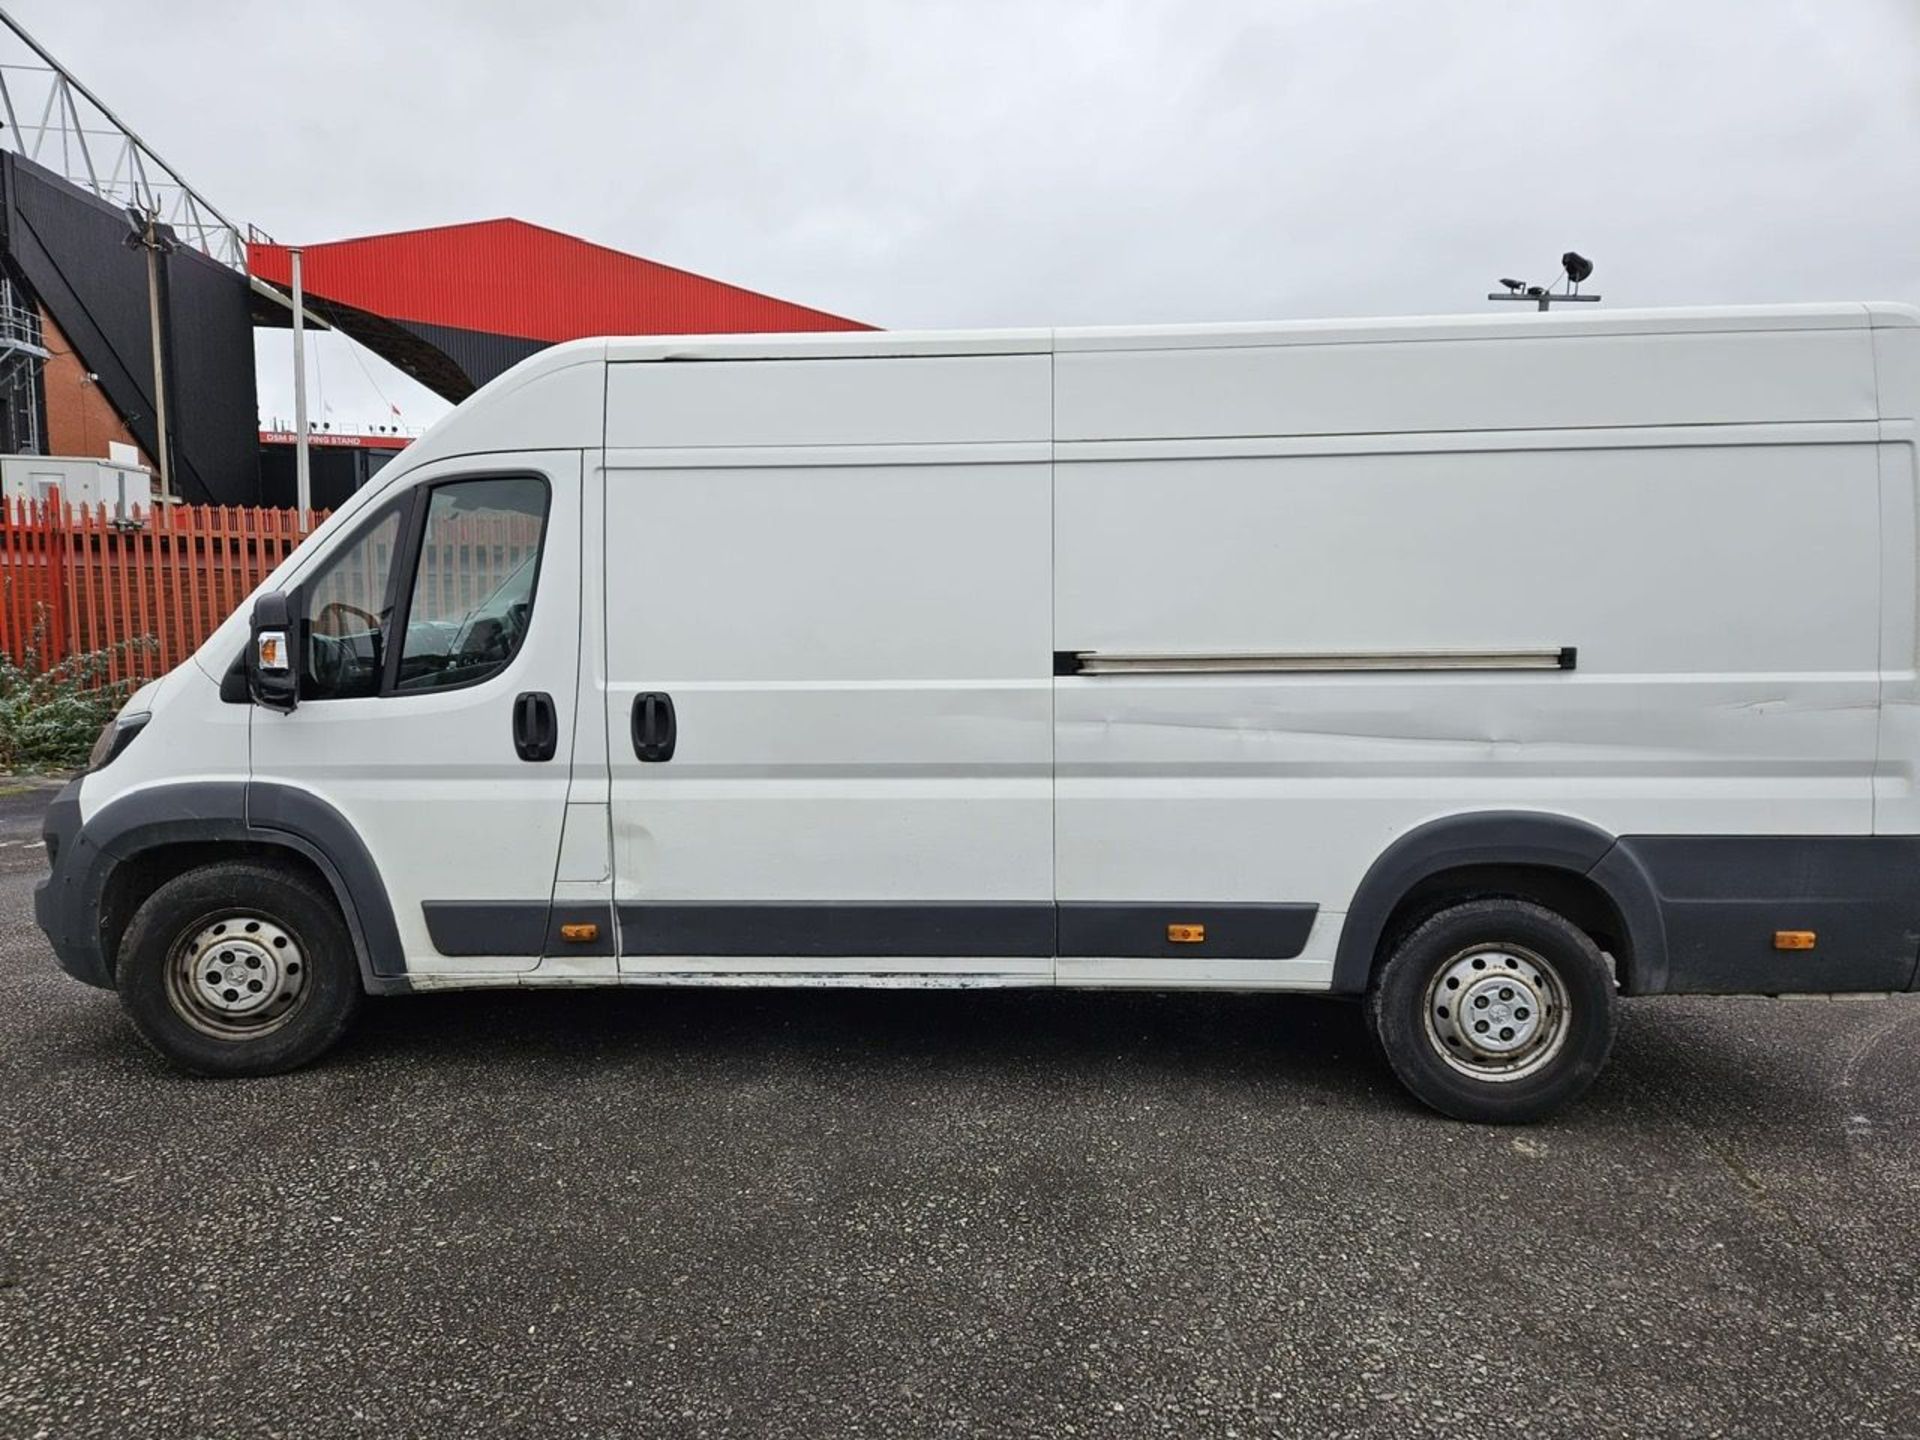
(1793, 939)
(579, 934)
(1187, 934)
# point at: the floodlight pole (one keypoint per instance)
(150, 241)
(302, 476)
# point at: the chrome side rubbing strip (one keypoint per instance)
(1094, 662)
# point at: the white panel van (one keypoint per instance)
(1480, 669)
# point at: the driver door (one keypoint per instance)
(439, 656)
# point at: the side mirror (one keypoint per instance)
(273, 679)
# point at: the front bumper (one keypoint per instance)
(61, 905)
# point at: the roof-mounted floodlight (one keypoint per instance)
(1574, 268)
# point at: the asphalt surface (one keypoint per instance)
(819, 1214)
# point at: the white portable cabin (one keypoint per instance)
(123, 485)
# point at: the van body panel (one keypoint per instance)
(1418, 591)
(1506, 383)
(1711, 694)
(1896, 360)
(1722, 898)
(938, 399)
(430, 779)
(1641, 558)
(555, 400)
(860, 662)
(583, 877)
(897, 929)
(1896, 801)
(206, 742)
(1493, 324)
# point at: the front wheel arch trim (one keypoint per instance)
(275, 816)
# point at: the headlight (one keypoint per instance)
(117, 734)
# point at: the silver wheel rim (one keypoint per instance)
(237, 976)
(1496, 1012)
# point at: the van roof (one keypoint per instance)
(1569, 321)
(555, 397)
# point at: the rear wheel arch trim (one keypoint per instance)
(1534, 838)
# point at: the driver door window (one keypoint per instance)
(474, 581)
(349, 608)
(468, 577)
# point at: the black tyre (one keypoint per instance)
(1494, 1010)
(238, 968)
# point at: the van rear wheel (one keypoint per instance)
(238, 968)
(1498, 1011)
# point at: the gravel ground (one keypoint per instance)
(896, 1214)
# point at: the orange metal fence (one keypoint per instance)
(72, 580)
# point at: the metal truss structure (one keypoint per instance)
(53, 120)
(23, 351)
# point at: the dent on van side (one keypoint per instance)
(1485, 670)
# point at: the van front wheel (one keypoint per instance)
(1494, 1010)
(238, 968)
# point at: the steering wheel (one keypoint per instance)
(334, 665)
(373, 620)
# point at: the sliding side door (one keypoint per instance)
(828, 665)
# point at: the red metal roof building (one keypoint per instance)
(455, 305)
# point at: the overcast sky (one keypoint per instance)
(1038, 162)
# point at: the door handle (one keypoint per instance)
(654, 728)
(536, 728)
